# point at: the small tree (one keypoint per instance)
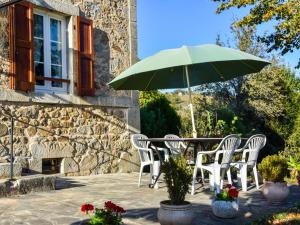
(178, 176)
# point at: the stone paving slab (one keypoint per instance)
(62, 206)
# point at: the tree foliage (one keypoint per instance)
(266, 102)
(286, 13)
(158, 118)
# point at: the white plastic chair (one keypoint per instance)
(217, 170)
(174, 146)
(251, 149)
(146, 154)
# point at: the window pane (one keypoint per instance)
(55, 26)
(38, 50)
(38, 26)
(56, 53)
(56, 72)
(39, 72)
(38, 30)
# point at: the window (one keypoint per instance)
(38, 51)
(49, 52)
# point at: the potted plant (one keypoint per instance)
(294, 166)
(111, 214)
(178, 176)
(226, 203)
(274, 169)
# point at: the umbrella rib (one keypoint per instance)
(150, 80)
(251, 67)
(218, 72)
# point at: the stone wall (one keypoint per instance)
(90, 134)
(89, 140)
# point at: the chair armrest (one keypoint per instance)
(161, 149)
(245, 153)
(207, 152)
(200, 156)
(145, 149)
(165, 150)
(238, 150)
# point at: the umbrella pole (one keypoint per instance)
(190, 99)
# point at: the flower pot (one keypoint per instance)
(275, 192)
(175, 214)
(83, 222)
(225, 209)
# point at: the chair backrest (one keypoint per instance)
(139, 145)
(174, 146)
(254, 144)
(227, 148)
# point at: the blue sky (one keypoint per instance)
(164, 24)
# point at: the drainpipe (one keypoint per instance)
(12, 148)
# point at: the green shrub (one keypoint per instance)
(178, 176)
(294, 166)
(158, 118)
(273, 168)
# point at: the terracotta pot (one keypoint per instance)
(225, 209)
(275, 192)
(175, 214)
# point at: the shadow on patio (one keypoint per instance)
(65, 183)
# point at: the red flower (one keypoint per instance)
(233, 193)
(113, 207)
(120, 209)
(109, 205)
(229, 186)
(85, 208)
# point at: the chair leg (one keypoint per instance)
(217, 180)
(255, 177)
(151, 174)
(243, 174)
(202, 176)
(194, 180)
(140, 176)
(229, 176)
(211, 181)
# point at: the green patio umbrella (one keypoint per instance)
(186, 67)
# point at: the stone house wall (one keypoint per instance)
(89, 134)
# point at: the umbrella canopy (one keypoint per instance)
(206, 64)
(188, 66)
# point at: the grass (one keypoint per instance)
(288, 217)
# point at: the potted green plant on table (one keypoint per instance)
(274, 169)
(294, 166)
(226, 203)
(111, 214)
(178, 176)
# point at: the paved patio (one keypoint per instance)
(62, 207)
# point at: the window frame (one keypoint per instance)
(47, 16)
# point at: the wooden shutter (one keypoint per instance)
(21, 46)
(85, 57)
